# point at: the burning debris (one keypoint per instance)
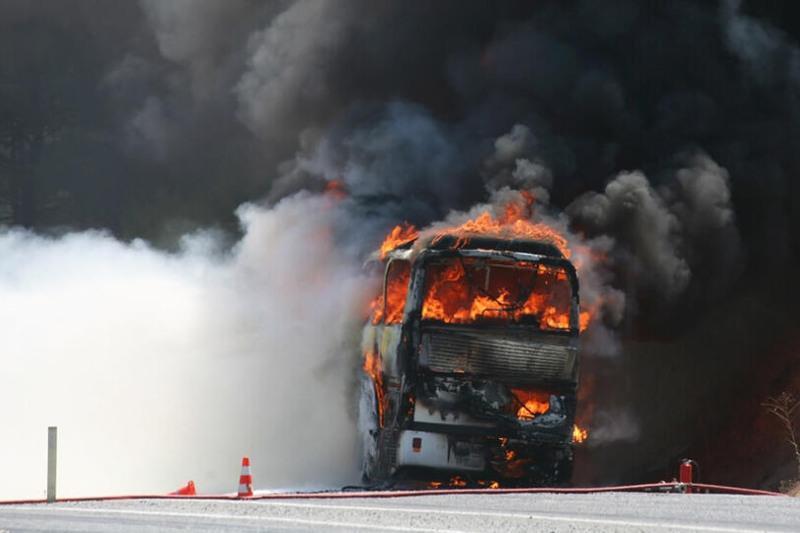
(579, 435)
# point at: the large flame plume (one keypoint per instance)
(515, 221)
(448, 297)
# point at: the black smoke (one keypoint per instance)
(666, 130)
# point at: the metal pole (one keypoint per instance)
(52, 444)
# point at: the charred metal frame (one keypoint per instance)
(463, 412)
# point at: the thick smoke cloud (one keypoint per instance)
(159, 368)
(767, 53)
(630, 209)
(286, 81)
(509, 165)
(660, 136)
(214, 96)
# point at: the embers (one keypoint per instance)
(509, 458)
(458, 482)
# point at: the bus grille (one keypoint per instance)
(514, 359)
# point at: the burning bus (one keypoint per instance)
(471, 360)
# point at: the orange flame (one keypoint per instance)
(400, 235)
(584, 319)
(396, 290)
(458, 482)
(372, 366)
(514, 223)
(579, 435)
(531, 403)
(450, 299)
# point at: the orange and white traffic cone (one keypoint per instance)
(187, 490)
(245, 479)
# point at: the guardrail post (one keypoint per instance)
(52, 445)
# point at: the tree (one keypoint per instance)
(784, 407)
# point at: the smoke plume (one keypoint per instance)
(659, 137)
(163, 367)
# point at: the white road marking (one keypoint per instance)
(526, 516)
(220, 516)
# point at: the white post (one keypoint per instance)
(52, 444)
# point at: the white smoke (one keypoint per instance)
(613, 426)
(159, 368)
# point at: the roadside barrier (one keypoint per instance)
(685, 485)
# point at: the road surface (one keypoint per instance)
(460, 512)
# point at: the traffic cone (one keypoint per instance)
(187, 490)
(245, 479)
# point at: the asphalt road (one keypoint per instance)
(465, 512)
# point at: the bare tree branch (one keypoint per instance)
(783, 407)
